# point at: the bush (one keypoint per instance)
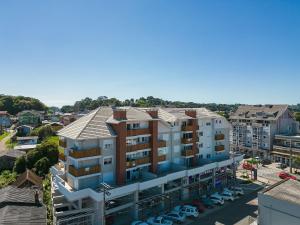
(32, 157)
(20, 165)
(42, 166)
(6, 178)
(43, 132)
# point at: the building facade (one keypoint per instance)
(5, 120)
(285, 147)
(140, 156)
(255, 126)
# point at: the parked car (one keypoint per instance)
(207, 202)
(139, 223)
(237, 190)
(188, 210)
(227, 195)
(217, 199)
(199, 205)
(285, 175)
(159, 221)
(177, 217)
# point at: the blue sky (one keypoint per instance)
(202, 51)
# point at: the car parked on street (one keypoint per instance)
(188, 210)
(138, 222)
(217, 199)
(207, 202)
(199, 205)
(227, 196)
(285, 175)
(177, 217)
(237, 190)
(159, 220)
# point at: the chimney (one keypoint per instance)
(36, 197)
(153, 113)
(191, 112)
(119, 114)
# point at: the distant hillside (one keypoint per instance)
(15, 104)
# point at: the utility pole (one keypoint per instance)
(104, 188)
(291, 156)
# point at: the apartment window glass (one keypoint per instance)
(208, 124)
(201, 133)
(200, 145)
(136, 125)
(208, 156)
(107, 161)
(107, 146)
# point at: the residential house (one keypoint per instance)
(28, 179)
(7, 159)
(145, 157)
(68, 118)
(5, 120)
(255, 126)
(21, 206)
(24, 130)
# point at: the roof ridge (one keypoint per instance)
(88, 122)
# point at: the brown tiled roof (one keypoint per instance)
(28, 175)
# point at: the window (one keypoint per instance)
(208, 124)
(107, 161)
(201, 133)
(136, 125)
(208, 156)
(201, 156)
(107, 146)
(200, 145)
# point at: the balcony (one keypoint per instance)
(62, 143)
(85, 153)
(188, 127)
(161, 143)
(219, 148)
(219, 137)
(132, 148)
(187, 152)
(137, 162)
(135, 132)
(187, 140)
(84, 171)
(62, 156)
(162, 158)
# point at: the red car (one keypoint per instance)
(285, 175)
(199, 205)
(247, 166)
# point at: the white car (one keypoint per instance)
(178, 217)
(187, 210)
(238, 190)
(159, 221)
(217, 199)
(139, 223)
(227, 195)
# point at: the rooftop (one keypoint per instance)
(14, 153)
(286, 190)
(263, 112)
(27, 138)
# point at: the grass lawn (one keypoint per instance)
(10, 144)
(5, 134)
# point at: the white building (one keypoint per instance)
(147, 158)
(279, 204)
(254, 127)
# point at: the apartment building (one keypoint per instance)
(255, 126)
(136, 159)
(285, 147)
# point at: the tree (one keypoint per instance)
(20, 165)
(296, 162)
(42, 166)
(32, 157)
(297, 116)
(43, 132)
